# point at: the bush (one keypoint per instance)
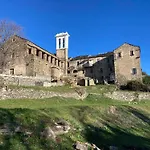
(146, 80)
(135, 86)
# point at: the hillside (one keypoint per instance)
(96, 119)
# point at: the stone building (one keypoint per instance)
(118, 66)
(20, 56)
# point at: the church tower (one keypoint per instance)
(62, 40)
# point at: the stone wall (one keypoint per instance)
(22, 57)
(25, 81)
(23, 93)
(43, 61)
(128, 96)
(99, 68)
(12, 56)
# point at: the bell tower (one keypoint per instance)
(62, 41)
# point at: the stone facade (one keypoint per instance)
(127, 63)
(22, 57)
(118, 66)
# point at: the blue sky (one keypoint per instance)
(95, 26)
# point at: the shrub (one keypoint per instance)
(135, 86)
(146, 80)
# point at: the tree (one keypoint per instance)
(146, 80)
(144, 73)
(8, 29)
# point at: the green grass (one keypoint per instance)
(91, 100)
(97, 89)
(100, 89)
(128, 125)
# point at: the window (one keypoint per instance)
(13, 40)
(75, 71)
(42, 55)
(134, 71)
(119, 55)
(111, 69)
(63, 42)
(29, 50)
(59, 43)
(78, 63)
(12, 71)
(47, 57)
(37, 52)
(131, 53)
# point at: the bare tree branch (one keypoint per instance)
(8, 29)
(8, 47)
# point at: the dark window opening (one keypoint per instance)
(42, 55)
(75, 71)
(37, 52)
(119, 55)
(134, 71)
(12, 71)
(83, 71)
(68, 72)
(59, 43)
(78, 63)
(13, 40)
(111, 69)
(54, 81)
(29, 51)
(68, 64)
(47, 57)
(131, 53)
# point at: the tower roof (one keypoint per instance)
(62, 34)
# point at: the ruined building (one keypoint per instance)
(22, 57)
(120, 65)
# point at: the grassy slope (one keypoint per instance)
(128, 124)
